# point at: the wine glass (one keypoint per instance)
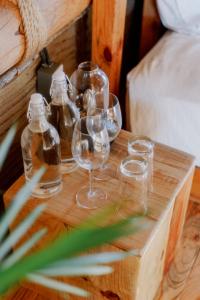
(90, 148)
(85, 82)
(112, 118)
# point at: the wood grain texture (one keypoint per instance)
(108, 23)
(15, 96)
(178, 221)
(195, 192)
(180, 282)
(23, 293)
(172, 169)
(56, 13)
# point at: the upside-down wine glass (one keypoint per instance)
(85, 82)
(90, 148)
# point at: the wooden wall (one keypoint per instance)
(152, 28)
(14, 96)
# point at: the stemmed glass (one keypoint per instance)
(113, 121)
(90, 148)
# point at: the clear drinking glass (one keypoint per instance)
(143, 146)
(90, 148)
(133, 173)
(113, 120)
(86, 81)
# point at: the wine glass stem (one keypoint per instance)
(90, 183)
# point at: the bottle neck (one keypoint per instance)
(59, 92)
(38, 123)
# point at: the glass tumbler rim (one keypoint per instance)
(147, 143)
(134, 165)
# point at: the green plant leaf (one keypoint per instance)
(6, 143)
(86, 260)
(76, 270)
(17, 203)
(21, 229)
(22, 250)
(67, 245)
(57, 285)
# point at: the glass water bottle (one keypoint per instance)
(89, 84)
(63, 117)
(40, 144)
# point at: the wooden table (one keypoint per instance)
(137, 277)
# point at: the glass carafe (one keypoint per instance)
(63, 117)
(86, 81)
(41, 147)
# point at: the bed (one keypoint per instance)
(162, 90)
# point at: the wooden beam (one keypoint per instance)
(152, 28)
(108, 23)
(56, 13)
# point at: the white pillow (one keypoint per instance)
(180, 15)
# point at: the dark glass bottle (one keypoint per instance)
(63, 117)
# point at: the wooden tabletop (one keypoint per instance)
(171, 169)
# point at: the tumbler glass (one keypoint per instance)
(144, 147)
(133, 175)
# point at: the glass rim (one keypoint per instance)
(116, 99)
(133, 159)
(79, 121)
(86, 64)
(138, 139)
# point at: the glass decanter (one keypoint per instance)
(86, 81)
(63, 117)
(40, 145)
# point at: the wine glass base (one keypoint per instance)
(106, 172)
(96, 199)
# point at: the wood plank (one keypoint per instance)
(179, 276)
(22, 293)
(195, 192)
(192, 288)
(108, 23)
(14, 99)
(178, 221)
(152, 28)
(56, 13)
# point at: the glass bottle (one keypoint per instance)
(86, 82)
(63, 117)
(40, 144)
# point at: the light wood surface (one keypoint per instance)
(172, 174)
(56, 13)
(181, 281)
(108, 23)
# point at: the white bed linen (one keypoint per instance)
(164, 93)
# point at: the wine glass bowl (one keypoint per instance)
(113, 122)
(90, 148)
(112, 115)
